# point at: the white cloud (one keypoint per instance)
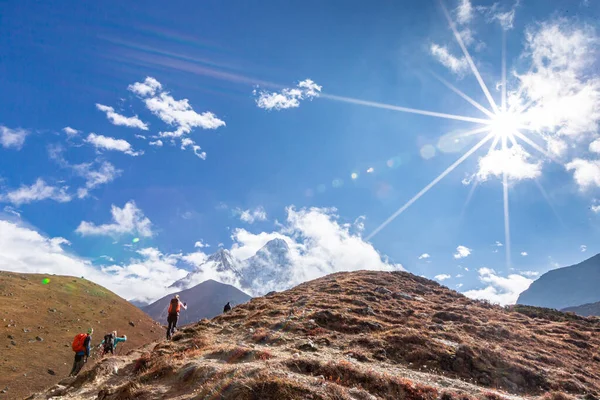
(459, 285)
(187, 142)
(595, 146)
(424, 256)
(94, 177)
(318, 243)
(512, 160)
(464, 12)
(501, 290)
(177, 113)
(457, 65)
(250, 216)
(158, 143)
(498, 244)
(442, 277)
(529, 273)
(70, 131)
(561, 83)
(147, 88)
(38, 191)
(108, 143)
(144, 277)
(200, 244)
(587, 172)
(524, 254)
(595, 208)
(121, 120)
(459, 276)
(288, 97)
(12, 138)
(127, 220)
(462, 252)
(583, 248)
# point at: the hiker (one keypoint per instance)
(227, 307)
(110, 342)
(174, 308)
(81, 346)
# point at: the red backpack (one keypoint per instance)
(79, 342)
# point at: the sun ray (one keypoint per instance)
(506, 218)
(547, 198)
(473, 132)
(503, 70)
(474, 69)
(537, 147)
(430, 185)
(404, 109)
(464, 96)
(469, 197)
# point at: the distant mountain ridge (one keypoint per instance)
(565, 287)
(205, 300)
(267, 270)
(585, 310)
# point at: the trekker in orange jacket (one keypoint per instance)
(174, 308)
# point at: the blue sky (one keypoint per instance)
(278, 115)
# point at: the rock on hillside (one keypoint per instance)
(565, 287)
(585, 310)
(360, 335)
(205, 300)
(38, 323)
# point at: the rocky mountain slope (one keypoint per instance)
(360, 335)
(205, 300)
(585, 310)
(565, 287)
(40, 319)
(269, 269)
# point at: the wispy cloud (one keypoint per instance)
(251, 216)
(524, 253)
(71, 131)
(583, 248)
(187, 142)
(12, 138)
(529, 274)
(112, 144)
(157, 143)
(177, 113)
(455, 64)
(499, 289)
(424, 256)
(288, 97)
(464, 12)
(442, 277)
(462, 252)
(38, 191)
(121, 120)
(94, 177)
(498, 12)
(127, 220)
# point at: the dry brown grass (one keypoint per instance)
(366, 341)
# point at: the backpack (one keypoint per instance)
(174, 307)
(79, 342)
(109, 341)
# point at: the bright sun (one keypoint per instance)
(504, 124)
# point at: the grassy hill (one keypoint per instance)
(38, 320)
(360, 335)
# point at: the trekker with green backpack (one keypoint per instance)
(81, 346)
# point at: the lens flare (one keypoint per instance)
(45, 281)
(135, 240)
(354, 176)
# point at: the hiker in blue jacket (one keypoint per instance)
(81, 346)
